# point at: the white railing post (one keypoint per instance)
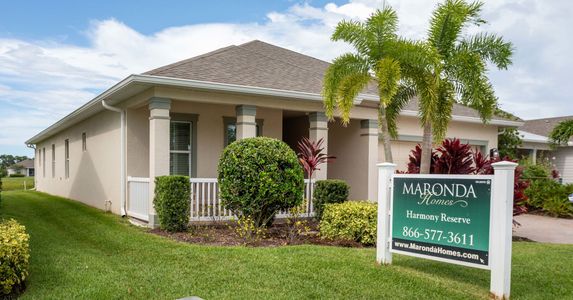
(385, 172)
(501, 228)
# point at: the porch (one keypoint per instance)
(173, 136)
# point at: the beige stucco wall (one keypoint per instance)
(95, 173)
(351, 151)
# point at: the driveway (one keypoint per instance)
(545, 229)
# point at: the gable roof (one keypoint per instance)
(543, 126)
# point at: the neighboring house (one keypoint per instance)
(536, 145)
(25, 167)
(178, 118)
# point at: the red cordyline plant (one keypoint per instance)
(454, 157)
(311, 156)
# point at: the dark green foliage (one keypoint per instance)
(508, 141)
(258, 177)
(551, 197)
(172, 200)
(329, 191)
(17, 175)
(535, 172)
(562, 133)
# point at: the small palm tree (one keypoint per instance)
(460, 73)
(377, 60)
(561, 133)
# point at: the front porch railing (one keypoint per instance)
(206, 204)
(205, 201)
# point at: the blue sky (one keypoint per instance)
(57, 55)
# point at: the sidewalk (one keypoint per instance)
(545, 229)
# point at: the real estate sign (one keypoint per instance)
(442, 217)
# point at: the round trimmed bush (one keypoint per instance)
(172, 194)
(329, 191)
(259, 177)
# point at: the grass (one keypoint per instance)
(81, 252)
(17, 183)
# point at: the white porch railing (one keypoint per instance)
(206, 204)
(138, 198)
(205, 201)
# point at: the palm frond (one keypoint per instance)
(490, 48)
(353, 32)
(350, 86)
(562, 133)
(381, 28)
(404, 94)
(341, 68)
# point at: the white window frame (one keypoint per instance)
(189, 147)
(67, 158)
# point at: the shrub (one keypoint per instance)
(329, 191)
(172, 194)
(16, 175)
(14, 256)
(352, 220)
(259, 177)
(551, 197)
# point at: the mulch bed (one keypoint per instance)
(225, 235)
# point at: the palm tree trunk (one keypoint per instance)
(383, 124)
(426, 159)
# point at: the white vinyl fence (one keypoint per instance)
(205, 201)
(138, 198)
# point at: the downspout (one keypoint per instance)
(122, 156)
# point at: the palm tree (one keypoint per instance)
(561, 133)
(460, 74)
(375, 42)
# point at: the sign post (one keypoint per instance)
(460, 219)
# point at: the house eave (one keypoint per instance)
(467, 119)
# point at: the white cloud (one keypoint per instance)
(48, 79)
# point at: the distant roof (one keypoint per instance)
(543, 126)
(27, 163)
(264, 65)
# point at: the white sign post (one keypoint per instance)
(500, 222)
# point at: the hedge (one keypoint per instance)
(352, 220)
(329, 191)
(259, 177)
(551, 197)
(172, 202)
(14, 257)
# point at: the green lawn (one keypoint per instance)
(17, 183)
(80, 252)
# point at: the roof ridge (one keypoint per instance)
(539, 119)
(283, 61)
(184, 61)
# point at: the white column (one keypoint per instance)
(158, 148)
(246, 122)
(534, 156)
(369, 136)
(383, 254)
(501, 222)
(317, 130)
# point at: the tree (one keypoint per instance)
(561, 133)
(460, 73)
(7, 160)
(508, 141)
(377, 59)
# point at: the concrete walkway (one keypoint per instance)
(545, 229)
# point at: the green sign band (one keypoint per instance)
(445, 217)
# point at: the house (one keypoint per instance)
(178, 118)
(536, 145)
(25, 167)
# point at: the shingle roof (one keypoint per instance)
(260, 64)
(543, 126)
(27, 163)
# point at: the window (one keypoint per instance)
(44, 162)
(230, 126)
(180, 148)
(84, 142)
(67, 157)
(53, 160)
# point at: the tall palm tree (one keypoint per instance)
(375, 42)
(460, 74)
